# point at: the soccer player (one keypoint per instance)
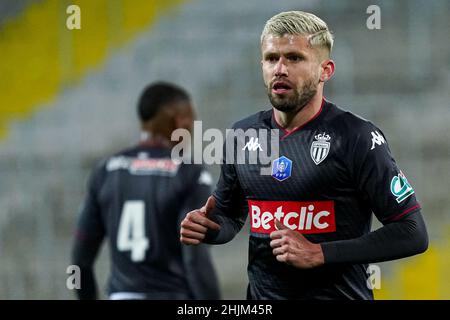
(137, 199)
(310, 220)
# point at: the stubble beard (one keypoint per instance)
(295, 102)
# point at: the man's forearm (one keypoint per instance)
(83, 255)
(399, 239)
(229, 227)
(88, 290)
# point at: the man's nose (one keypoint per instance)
(281, 68)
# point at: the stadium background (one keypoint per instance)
(67, 99)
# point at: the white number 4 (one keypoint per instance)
(131, 234)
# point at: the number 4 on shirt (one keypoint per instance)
(131, 233)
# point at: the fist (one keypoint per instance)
(196, 223)
(293, 248)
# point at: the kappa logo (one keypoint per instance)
(320, 148)
(400, 187)
(252, 145)
(377, 138)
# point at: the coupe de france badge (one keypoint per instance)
(400, 187)
(320, 148)
(282, 168)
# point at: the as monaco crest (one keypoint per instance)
(320, 148)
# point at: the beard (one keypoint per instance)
(296, 101)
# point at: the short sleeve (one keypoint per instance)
(378, 178)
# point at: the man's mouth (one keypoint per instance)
(281, 87)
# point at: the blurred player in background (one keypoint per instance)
(137, 199)
(311, 219)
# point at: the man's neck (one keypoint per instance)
(154, 139)
(291, 120)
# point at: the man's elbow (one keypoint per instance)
(422, 243)
(420, 238)
(82, 257)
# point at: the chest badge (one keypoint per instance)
(320, 148)
(282, 168)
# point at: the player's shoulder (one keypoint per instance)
(357, 133)
(191, 170)
(98, 172)
(114, 161)
(191, 174)
(349, 123)
(256, 120)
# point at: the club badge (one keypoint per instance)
(320, 148)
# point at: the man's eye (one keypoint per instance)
(271, 59)
(295, 58)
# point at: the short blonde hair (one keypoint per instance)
(300, 23)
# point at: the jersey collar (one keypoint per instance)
(315, 118)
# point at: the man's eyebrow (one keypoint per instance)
(271, 53)
(295, 53)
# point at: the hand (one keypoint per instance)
(196, 223)
(294, 249)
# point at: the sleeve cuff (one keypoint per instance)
(330, 252)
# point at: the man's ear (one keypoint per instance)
(182, 121)
(178, 121)
(327, 68)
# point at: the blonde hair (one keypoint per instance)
(300, 23)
